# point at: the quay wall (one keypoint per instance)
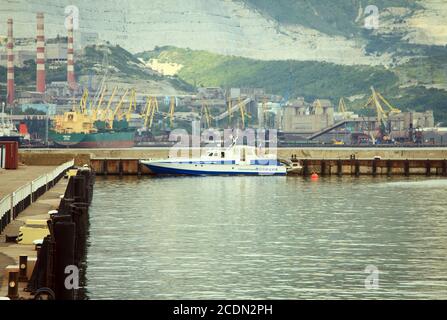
(83, 156)
(324, 161)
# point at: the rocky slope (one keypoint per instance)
(321, 30)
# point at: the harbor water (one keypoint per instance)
(267, 238)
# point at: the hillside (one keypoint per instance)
(331, 17)
(123, 70)
(319, 30)
(304, 78)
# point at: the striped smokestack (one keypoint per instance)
(10, 65)
(40, 61)
(70, 56)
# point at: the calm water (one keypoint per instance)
(267, 238)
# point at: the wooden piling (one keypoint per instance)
(374, 167)
(389, 168)
(357, 168)
(305, 167)
(407, 168)
(428, 168)
(339, 168)
(323, 168)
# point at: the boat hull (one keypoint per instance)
(121, 139)
(214, 170)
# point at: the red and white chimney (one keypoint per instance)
(40, 59)
(70, 56)
(10, 65)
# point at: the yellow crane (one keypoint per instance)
(117, 109)
(132, 106)
(205, 112)
(342, 108)
(318, 108)
(106, 111)
(376, 101)
(243, 111)
(96, 109)
(83, 102)
(171, 111)
(151, 107)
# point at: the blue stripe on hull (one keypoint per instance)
(160, 170)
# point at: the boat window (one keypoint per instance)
(216, 154)
(210, 154)
(222, 155)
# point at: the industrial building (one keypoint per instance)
(299, 117)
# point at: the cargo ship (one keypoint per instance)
(78, 130)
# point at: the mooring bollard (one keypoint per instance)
(13, 285)
(23, 267)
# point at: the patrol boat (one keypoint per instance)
(235, 160)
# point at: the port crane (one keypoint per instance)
(172, 104)
(132, 106)
(243, 110)
(343, 109)
(375, 101)
(83, 102)
(117, 109)
(106, 111)
(96, 109)
(205, 113)
(150, 109)
(317, 107)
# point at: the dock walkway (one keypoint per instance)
(10, 252)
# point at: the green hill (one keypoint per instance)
(303, 78)
(121, 64)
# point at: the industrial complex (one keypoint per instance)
(298, 121)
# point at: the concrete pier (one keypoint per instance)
(83, 156)
(10, 252)
(26, 194)
(325, 161)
